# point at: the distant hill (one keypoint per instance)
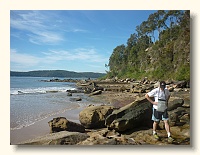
(57, 73)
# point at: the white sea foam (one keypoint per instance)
(40, 90)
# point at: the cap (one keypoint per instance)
(162, 84)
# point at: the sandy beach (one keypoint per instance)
(40, 128)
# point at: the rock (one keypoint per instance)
(75, 99)
(51, 91)
(156, 84)
(95, 93)
(181, 84)
(59, 138)
(138, 90)
(89, 87)
(171, 89)
(107, 137)
(178, 89)
(94, 116)
(75, 91)
(185, 118)
(133, 115)
(69, 94)
(186, 103)
(174, 103)
(62, 124)
(173, 117)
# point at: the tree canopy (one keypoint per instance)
(166, 56)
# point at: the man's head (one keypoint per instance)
(162, 85)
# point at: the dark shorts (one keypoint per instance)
(157, 116)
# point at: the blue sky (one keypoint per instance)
(73, 40)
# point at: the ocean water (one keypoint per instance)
(32, 100)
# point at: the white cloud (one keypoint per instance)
(23, 59)
(43, 27)
(37, 24)
(80, 55)
(79, 30)
(89, 55)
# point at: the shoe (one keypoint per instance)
(170, 139)
(156, 136)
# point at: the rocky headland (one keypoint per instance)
(124, 118)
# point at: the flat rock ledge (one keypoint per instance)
(59, 138)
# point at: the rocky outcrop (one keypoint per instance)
(89, 86)
(94, 116)
(61, 80)
(60, 138)
(62, 124)
(133, 115)
(107, 137)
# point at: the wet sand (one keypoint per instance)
(117, 99)
(41, 128)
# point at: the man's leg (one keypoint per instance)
(167, 128)
(154, 126)
(155, 123)
(165, 118)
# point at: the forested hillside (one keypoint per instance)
(166, 56)
(57, 73)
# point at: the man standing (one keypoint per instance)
(161, 97)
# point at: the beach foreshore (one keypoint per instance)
(120, 97)
(40, 128)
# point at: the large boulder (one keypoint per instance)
(133, 115)
(62, 124)
(175, 102)
(94, 116)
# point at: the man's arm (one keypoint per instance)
(150, 100)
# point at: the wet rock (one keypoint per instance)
(75, 91)
(75, 99)
(69, 94)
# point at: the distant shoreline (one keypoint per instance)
(57, 73)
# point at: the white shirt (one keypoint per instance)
(157, 93)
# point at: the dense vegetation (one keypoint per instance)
(145, 55)
(57, 73)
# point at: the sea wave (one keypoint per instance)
(42, 90)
